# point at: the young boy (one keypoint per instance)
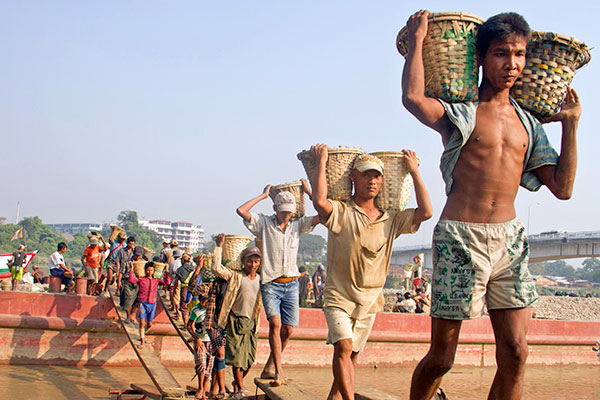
(359, 248)
(19, 258)
(197, 327)
(148, 286)
(240, 311)
(491, 147)
(279, 273)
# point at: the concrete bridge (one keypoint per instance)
(553, 245)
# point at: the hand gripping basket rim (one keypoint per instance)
(397, 182)
(434, 17)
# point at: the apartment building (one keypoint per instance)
(186, 233)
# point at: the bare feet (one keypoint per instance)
(277, 382)
(200, 394)
(268, 372)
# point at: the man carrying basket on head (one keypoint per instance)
(480, 248)
(279, 273)
(359, 249)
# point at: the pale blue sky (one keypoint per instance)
(102, 102)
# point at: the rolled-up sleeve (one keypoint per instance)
(256, 224)
(306, 225)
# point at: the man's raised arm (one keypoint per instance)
(561, 177)
(427, 110)
(324, 208)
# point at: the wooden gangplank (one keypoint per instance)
(370, 393)
(178, 325)
(165, 382)
(289, 391)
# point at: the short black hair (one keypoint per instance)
(500, 27)
(61, 245)
(149, 264)
(302, 269)
(131, 239)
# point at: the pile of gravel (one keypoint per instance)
(567, 308)
(547, 307)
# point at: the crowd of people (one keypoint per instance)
(480, 249)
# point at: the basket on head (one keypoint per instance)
(551, 63)
(451, 68)
(397, 182)
(139, 268)
(114, 231)
(232, 250)
(339, 166)
(294, 188)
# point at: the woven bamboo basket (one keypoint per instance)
(451, 68)
(552, 60)
(114, 231)
(138, 268)
(297, 190)
(232, 250)
(339, 167)
(159, 269)
(397, 182)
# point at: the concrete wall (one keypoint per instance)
(82, 330)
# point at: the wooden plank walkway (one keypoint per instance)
(165, 382)
(289, 391)
(370, 393)
(177, 324)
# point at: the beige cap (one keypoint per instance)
(285, 202)
(365, 162)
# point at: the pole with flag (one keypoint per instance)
(20, 234)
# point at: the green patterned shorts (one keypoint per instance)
(479, 264)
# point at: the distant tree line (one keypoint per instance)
(589, 271)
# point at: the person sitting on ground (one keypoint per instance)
(422, 302)
(359, 249)
(147, 288)
(280, 236)
(399, 298)
(57, 267)
(240, 311)
(91, 260)
(110, 265)
(15, 264)
(129, 291)
(408, 304)
(39, 275)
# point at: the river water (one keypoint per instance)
(467, 383)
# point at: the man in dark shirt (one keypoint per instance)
(303, 281)
(19, 258)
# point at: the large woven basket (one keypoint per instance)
(297, 190)
(138, 268)
(451, 68)
(339, 166)
(552, 60)
(159, 269)
(397, 182)
(232, 250)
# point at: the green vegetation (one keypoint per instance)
(40, 237)
(590, 270)
(312, 252)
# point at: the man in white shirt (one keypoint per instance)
(279, 287)
(57, 266)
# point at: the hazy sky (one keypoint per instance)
(184, 110)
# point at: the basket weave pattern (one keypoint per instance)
(138, 268)
(397, 182)
(232, 250)
(297, 190)
(551, 63)
(339, 166)
(451, 68)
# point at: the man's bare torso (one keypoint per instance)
(488, 171)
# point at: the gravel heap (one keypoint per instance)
(548, 307)
(567, 308)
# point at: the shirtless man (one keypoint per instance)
(490, 148)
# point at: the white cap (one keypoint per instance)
(285, 202)
(365, 162)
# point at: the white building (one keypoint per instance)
(73, 229)
(186, 234)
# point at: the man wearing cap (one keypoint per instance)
(111, 260)
(359, 248)
(174, 290)
(91, 258)
(280, 236)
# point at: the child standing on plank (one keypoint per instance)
(197, 327)
(148, 286)
(240, 311)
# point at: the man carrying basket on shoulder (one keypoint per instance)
(480, 249)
